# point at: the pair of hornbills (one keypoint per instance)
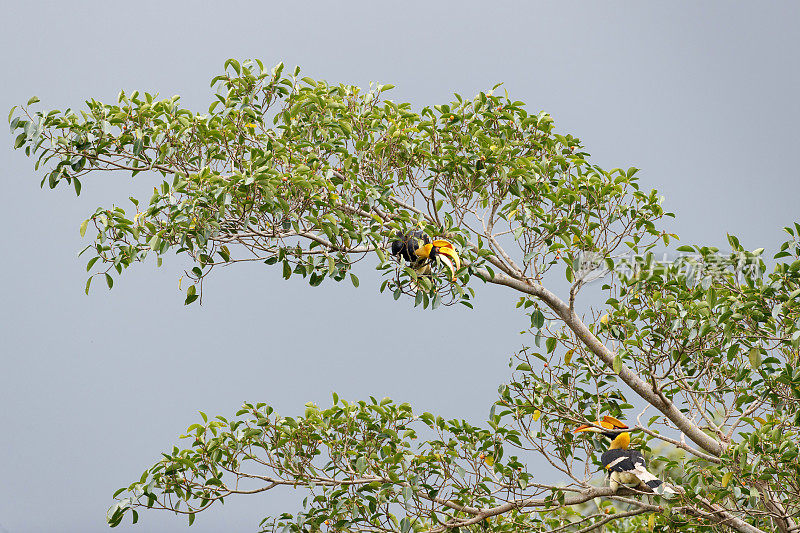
(418, 249)
(622, 465)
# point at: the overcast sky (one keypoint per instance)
(703, 98)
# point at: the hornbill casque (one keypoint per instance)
(624, 466)
(418, 249)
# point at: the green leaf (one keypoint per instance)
(617, 365)
(550, 343)
(88, 282)
(109, 280)
(84, 224)
(525, 367)
(224, 253)
(235, 64)
(537, 319)
(191, 295)
(418, 298)
(33, 100)
(755, 357)
(726, 478)
(354, 279)
(11, 113)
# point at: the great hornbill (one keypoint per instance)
(418, 249)
(624, 466)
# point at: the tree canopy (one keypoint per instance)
(699, 353)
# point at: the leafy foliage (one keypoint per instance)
(311, 177)
(314, 177)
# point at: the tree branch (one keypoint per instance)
(569, 500)
(726, 518)
(573, 321)
(681, 445)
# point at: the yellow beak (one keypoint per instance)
(451, 253)
(608, 422)
(613, 422)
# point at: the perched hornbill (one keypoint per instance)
(624, 466)
(416, 248)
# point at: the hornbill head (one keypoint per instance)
(609, 427)
(416, 248)
(444, 251)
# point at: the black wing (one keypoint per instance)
(622, 460)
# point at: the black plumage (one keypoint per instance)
(629, 467)
(406, 244)
(622, 460)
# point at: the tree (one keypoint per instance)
(313, 177)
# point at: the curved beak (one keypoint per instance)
(587, 428)
(607, 423)
(441, 243)
(613, 422)
(449, 252)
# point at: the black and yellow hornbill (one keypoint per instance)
(624, 466)
(418, 249)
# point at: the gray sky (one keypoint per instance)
(703, 98)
